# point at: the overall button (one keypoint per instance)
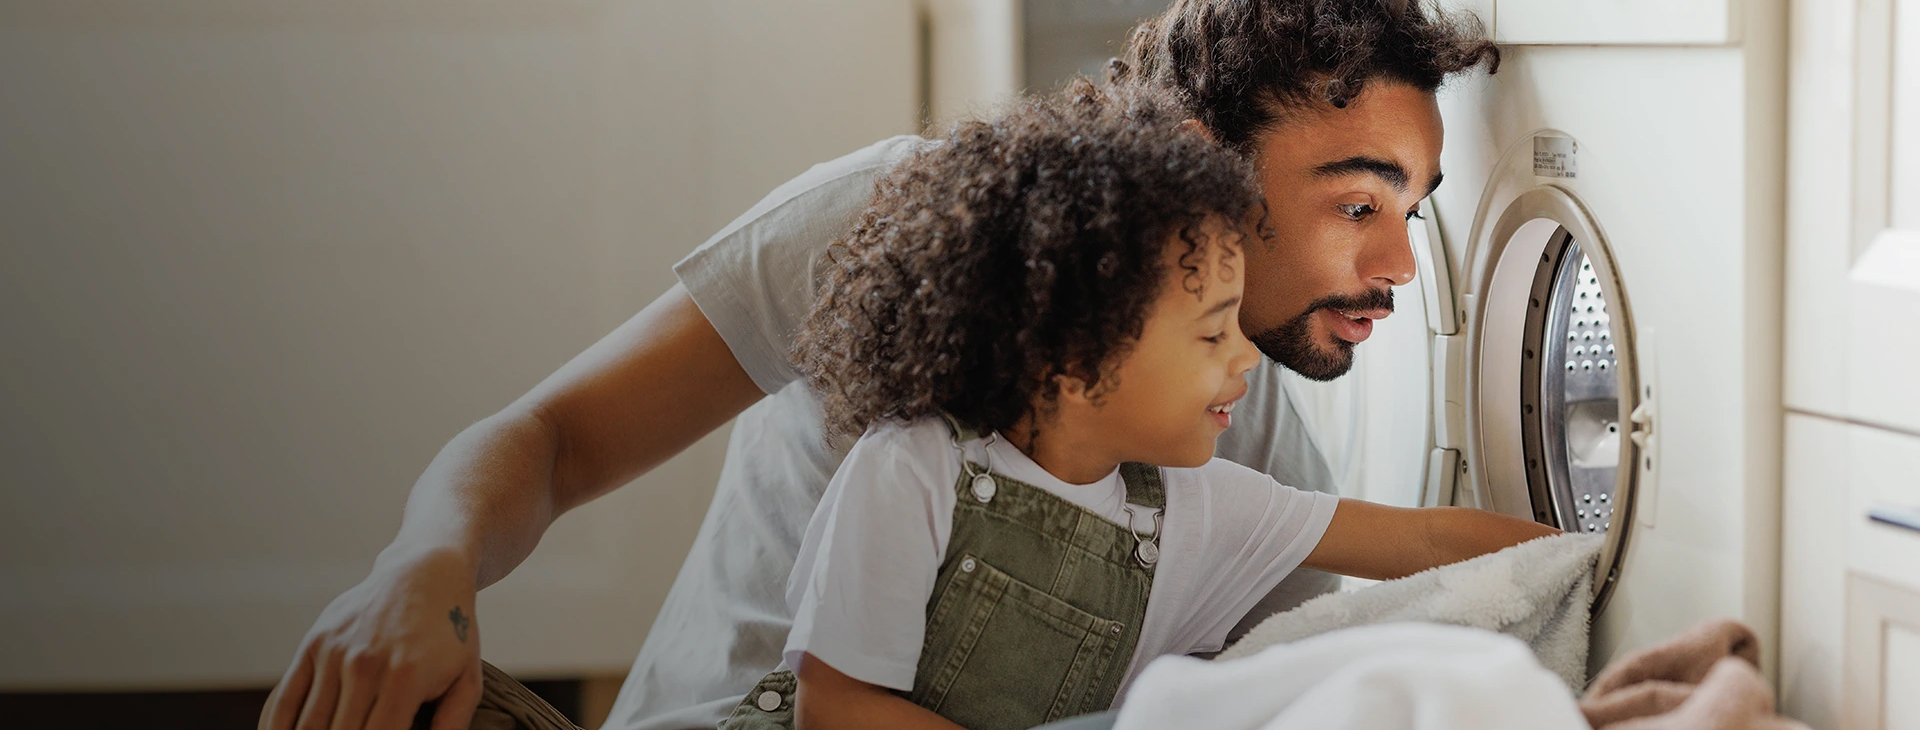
(984, 488)
(966, 565)
(1147, 553)
(768, 701)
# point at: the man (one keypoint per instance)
(1334, 101)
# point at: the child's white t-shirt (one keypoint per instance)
(867, 565)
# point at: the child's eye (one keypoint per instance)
(1356, 211)
(1216, 339)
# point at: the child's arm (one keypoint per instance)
(1368, 540)
(829, 700)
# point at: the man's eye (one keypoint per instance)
(1415, 215)
(1356, 211)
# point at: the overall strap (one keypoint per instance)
(1144, 487)
(1143, 481)
(961, 433)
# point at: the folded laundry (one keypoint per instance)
(1537, 592)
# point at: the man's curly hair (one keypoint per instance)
(1016, 249)
(1241, 66)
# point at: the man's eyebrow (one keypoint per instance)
(1221, 307)
(1434, 184)
(1387, 170)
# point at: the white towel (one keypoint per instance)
(1537, 592)
(1392, 677)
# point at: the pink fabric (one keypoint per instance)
(1704, 679)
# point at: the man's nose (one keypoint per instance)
(1246, 354)
(1388, 257)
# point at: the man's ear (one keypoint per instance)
(1193, 126)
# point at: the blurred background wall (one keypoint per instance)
(260, 260)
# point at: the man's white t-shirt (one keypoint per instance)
(867, 566)
(726, 619)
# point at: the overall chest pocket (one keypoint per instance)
(1002, 654)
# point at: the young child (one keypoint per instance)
(1035, 325)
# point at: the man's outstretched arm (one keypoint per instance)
(405, 635)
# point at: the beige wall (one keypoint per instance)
(258, 261)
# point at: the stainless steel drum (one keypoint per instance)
(1570, 393)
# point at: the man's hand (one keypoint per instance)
(404, 636)
(407, 634)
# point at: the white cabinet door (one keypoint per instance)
(1883, 655)
(1883, 284)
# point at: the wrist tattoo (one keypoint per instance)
(460, 623)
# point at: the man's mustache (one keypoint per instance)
(1372, 299)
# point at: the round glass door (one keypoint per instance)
(1560, 418)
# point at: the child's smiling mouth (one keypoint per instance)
(1222, 412)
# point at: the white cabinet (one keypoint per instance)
(1850, 630)
(1850, 603)
(1882, 653)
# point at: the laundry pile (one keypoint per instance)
(1704, 679)
(1499, 641)
(1410, 676)
(1537, 592)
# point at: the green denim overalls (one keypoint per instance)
(1034, 615)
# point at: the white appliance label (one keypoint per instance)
(1555, 157)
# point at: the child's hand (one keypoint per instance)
(1378, 542)
(829, 700)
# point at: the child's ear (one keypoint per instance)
(1072, 389)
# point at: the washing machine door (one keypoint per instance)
(1540, 410)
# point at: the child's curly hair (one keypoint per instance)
(1015, 250)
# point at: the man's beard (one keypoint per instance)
(1292, 344)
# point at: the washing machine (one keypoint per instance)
(1600, 284)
